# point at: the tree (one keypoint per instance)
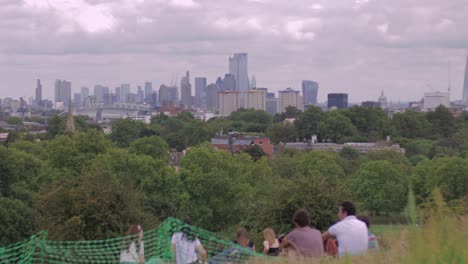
(14, 120)
(282, 132)
(442, 121)
(373, 123)
(255, 152)
(418, 147)
(411, 124)
(336, 126)
(380, 186)
(291, 112)
(18, 221)
(92, 206)
(322, 164)
(308, 121)
(153, 146)
(251, 120)
(125, 131)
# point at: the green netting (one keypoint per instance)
(38, 249)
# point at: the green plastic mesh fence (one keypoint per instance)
(157, 248)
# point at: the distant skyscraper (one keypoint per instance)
(212, 96)
(167, 95)
(38, 92)
(383, 100)
(271, 104)
(84, 94)
(229, 82)
(148, 92)
(124, 91)
(238, 68)
(117, 94)
(435, 99)
(140, 96)
(309, 92)
(229, 101)
(62, 91)
(255, 99)
(338, 100)
(289, 97)
(465, 85)
(200, 91)
(77, 100)
(186, 91)
(99, 92)
(219, 83)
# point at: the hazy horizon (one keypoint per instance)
(360, 47)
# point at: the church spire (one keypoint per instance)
(70, 120)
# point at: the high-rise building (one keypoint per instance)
(212, 96)
(140, 96)
(84, 94)
(38, 92)
(186, 91)
(271, 104)
(168, 95)
(435, 99)
(77, 100)
(337, 100)
(465, 85)
(62, 92)
(152, 99)
(99, 92)
(229, 82)
(219, 83)
(255, 99)
(200, 91)
(238, 68)
(124, 91)
(383, 100)
(229, 101)
(148, 92)
(309, 92)
(289, 97)
(117, 94)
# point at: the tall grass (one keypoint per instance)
(436, 235)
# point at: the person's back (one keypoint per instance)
(351, 233)
(185, 249)
(307, 241)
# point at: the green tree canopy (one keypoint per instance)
(411, 124)
(153, 146)
(336, 126)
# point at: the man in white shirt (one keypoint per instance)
(350, 232)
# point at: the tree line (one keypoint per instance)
(92, 186)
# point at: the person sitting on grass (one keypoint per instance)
(304, 240)
(350, 232)
(373, 243)
(271, 244)
(186, 246)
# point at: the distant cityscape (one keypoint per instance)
(228, 93)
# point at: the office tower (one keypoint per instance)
(238, 68)
(219, 83)
(337, 100)
(186, 91)
(229, 82)
(84, 94)
(465, 85)
(271, 103)
(212, 96)
(289, 97)
(229, 101)
(152, 99)
(99, 92)
(140, 96)
(167, 95)
(117, 94)
(435, 99)
(62, 91)
(124, 91)
(131, 98)
(108, 98)
(309, 92)
(38, 92)
(77, 100)
(255, 99)
(200, 91)
(148, 91)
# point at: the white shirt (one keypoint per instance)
(186, 250)
(131, 255)
(351, 234)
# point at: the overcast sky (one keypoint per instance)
(360, 47)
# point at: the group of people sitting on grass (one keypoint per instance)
(350, 236)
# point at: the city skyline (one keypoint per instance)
(354, 47)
